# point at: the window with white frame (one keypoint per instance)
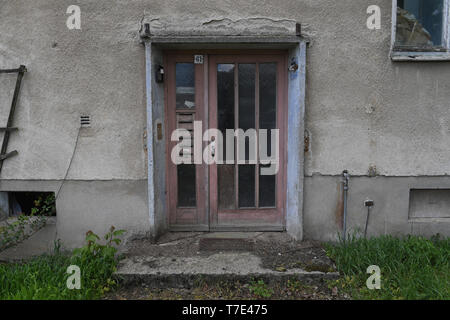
(421, 28)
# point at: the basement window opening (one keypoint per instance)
(32, 204)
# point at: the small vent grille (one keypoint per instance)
(85, 121)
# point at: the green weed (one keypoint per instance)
(260, 289)
(45, 277)
(411, 267)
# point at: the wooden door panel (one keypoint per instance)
(263, 208)
(183, 107)
(238, 216)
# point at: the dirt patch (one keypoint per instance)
(279, 252)
(177, 244)
(293, 290)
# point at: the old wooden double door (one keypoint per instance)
(226, 90)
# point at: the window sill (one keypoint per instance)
(419, 56)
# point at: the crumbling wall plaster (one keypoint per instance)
(362, 109)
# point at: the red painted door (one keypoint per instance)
(248, 92)
(244, 98)
(187, 183)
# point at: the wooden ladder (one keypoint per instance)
(9, 128)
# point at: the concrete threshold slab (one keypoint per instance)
(186, 272)
(183, 263)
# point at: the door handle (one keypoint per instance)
(213, 149)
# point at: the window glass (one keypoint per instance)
(185, 85)
(267, 190)
(246, 186)
(267, 120)
(186, 185)
(225, 101)
(268, 99)
(419, 23)
(225, 119)
(247, 101)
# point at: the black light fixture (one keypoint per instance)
(293, 67)
(159, 74)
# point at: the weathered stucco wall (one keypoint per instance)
(391, 213)
(362, 109)
(98, 70)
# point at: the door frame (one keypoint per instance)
(156, 221)
(207, 220)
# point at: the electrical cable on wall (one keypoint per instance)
(65, 176)
(70, 164)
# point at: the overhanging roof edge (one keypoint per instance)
(206, 39)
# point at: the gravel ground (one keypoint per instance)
(232, 291)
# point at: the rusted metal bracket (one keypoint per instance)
(20, 69)
(8, 155)
(9, 128)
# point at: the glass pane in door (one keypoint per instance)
(185, 99)
(247, 116)
(267, 120)
(186, 185)
(266, 190)
(247, 100)
(185, 85)
(247, 186)
(241, 185)
(225, 112)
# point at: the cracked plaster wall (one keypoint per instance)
(362, 109)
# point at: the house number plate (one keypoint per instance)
(198, 59)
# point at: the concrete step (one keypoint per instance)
(188, 272)
(185, 260)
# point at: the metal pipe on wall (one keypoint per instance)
(345, 178)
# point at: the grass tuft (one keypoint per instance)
(411, 267)
(45, 277)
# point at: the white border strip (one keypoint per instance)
(150, 160)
